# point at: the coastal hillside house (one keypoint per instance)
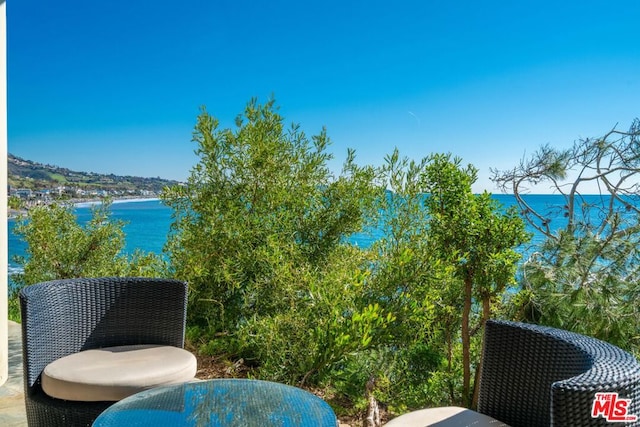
(28, 194)
(61, 192)
(44, 195)
(92, 193)
(23, 193)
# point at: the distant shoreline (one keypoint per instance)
(84, 203)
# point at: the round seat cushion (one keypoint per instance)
(447, 416)
(113, 373)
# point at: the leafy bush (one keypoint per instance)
(58, 247)
(259, 235)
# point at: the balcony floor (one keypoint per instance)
(12, 410)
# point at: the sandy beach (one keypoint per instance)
(83, 203)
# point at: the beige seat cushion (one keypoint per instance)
(113, 373)
(450, 416)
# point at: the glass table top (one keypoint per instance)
(221, 402)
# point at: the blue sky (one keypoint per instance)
(115, 86)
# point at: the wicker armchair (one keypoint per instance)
(63, 317)
(540, 376)
(537, 376)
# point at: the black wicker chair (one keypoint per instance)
(540, 376)
(63, 317)
(536, 376)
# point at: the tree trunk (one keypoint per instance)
(486, 315)
(466, 342)
(452, 394)
(373, 413)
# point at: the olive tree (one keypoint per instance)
(59, 247)
(259, 234)
(406, 280)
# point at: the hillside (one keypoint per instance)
(25, 174)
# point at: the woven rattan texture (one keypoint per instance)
(540, 376)
(67, 316)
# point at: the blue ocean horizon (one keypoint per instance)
(147, 224)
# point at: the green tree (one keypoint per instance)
(588, 268)
(478, 238)
(15, 203)
(405, 271)
(442, 266)
(406, 281)
(259, 234)
(58, 247)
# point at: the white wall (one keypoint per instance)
(4, 238)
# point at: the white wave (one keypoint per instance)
(87, 204)
(153, 199)
(115, 201)
(15, 270)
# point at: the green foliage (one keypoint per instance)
(438, 237)
(477, 238)
(589, 278)
(391, 329)
(472, 230)
(13, 306)
(399, 378)
(15, 203)
(406, 274)
(589, 269)
(330, 321)
(60, 248)
(259, 235)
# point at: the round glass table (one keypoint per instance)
(221, 402)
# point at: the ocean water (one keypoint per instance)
(147, 223)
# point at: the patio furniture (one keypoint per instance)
(73, 336)
(540, 376)
(221, 403)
